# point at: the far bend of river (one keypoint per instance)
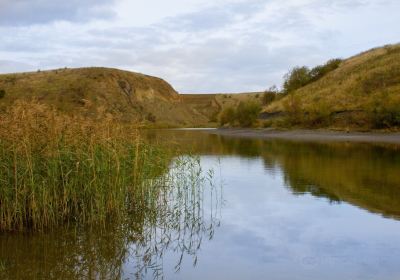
(281, 210)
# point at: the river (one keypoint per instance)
(269, 209)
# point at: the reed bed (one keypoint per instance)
(58, 169)
(176, 214)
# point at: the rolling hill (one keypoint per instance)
(128, 96)
(131, 97)
(363, 92)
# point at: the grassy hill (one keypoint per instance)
(211, 105)
(362, 93)
(128, 96)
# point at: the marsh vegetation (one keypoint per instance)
(58, 169)
(176, 212)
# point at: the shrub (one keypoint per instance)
(300, 76)
(2, 93)
(227, 116)
(296, 78)
(247, 113)
(321, 70)
(268, 97)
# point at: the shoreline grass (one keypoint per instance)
(58, 169)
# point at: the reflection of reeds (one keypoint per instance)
(57, 169)
(173, 214)
(179, 223)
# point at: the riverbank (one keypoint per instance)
(310, 135)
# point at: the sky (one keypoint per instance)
(198, 46)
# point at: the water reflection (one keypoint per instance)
(185, 217)
(366, 175)
(291, 211)
(183, 213)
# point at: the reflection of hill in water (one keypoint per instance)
(363, 175)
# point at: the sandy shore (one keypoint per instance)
(310, 135)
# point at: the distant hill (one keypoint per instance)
(132, 97)
(211, 105)
(363, 92)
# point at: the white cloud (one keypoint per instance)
(27, 12)
(227, 46)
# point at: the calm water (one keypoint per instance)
(272, 210)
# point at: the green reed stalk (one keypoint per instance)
(58, 169)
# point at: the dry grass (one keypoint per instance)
(356, 86)
(133, 97)
(57, 168)
(212, 105)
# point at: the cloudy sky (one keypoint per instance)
(196, 45)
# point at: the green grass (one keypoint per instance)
(167, 215)
(58, 169)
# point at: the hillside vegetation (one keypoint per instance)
(127, 96)
(362, 92)
(212, 105)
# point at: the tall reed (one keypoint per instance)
(181, 212)
(58, 169)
